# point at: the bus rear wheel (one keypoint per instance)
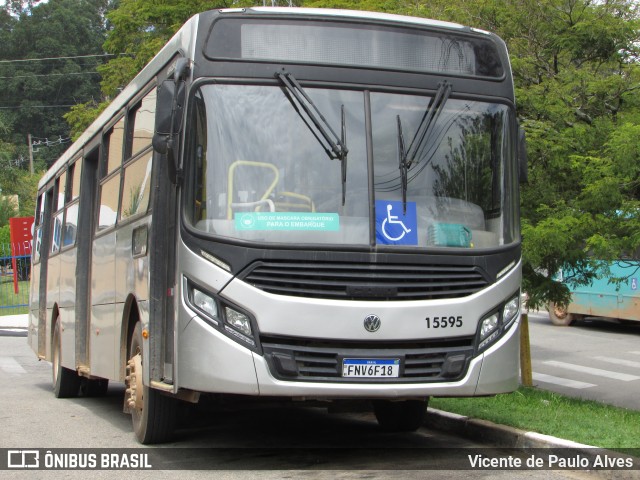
(153, 414)
(66, 382)
(560, 316)
(400, 416)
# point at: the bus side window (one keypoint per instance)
(114, 143)
(137, 186)
(37, 234)
(70, 229)
(109, 193)
(56, 232)
(143, 119)
(58, 207)
(110, 174)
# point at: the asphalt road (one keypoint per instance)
(594, 359)
(265, 441)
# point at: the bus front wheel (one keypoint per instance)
(400, 416)
(66, 382)
(560, 316)
(153, 414)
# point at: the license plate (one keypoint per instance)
(371, 368)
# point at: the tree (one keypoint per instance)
(50, 52)
(7, 210)
(82, 115)
(576, 76)
(140, 28)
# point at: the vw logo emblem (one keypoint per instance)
(372, 323)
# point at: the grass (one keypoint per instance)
(8, 297)
(530, 409)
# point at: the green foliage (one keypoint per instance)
(82, 115)
(36, 94)
(576, 76)
(5, 235)
(139, 29)
(7, 210)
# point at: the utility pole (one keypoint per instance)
(30, 153)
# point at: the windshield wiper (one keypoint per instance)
(402, 160)
(422, 137)
(334, 146)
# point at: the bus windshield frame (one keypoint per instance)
(281, 188)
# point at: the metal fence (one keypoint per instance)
(15, 272)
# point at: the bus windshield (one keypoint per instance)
(258, 172)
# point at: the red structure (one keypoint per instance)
(21, 239)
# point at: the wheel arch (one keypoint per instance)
(134, 311)
(50, 325)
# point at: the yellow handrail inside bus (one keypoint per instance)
(248, 163)
(286, 201)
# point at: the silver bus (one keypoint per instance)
(289, 203)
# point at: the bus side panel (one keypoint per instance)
(53, 297)
(66, 305)
(102, 331)
(627, 294)
(34, 306)
(132, 274)
(604, 303)
(629, 307)
(67, 292)
(580, 303)
(603, 298)
(132, 278)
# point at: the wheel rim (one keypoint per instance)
(560, 312)
(135, 388)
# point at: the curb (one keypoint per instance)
(503, 436)
(499, 435)
(14, 321)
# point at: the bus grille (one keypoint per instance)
(364, 281)
(301, 360)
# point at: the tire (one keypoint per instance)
(154, 415)
(559, 316)
(402, 416)
(66, 382)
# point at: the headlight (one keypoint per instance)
(204, 302)
(489, 330)
(228, 319)
(238, 320)
(488, 325)
(495, 324)
(511, 309)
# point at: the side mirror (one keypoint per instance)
(523, 161)
(164, 114)
(169, 112)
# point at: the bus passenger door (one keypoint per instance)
(86, 225)
(40, 269)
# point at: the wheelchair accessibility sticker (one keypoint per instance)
(393, 226)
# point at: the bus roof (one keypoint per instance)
(333, 12)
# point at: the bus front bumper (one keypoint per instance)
(211, 362)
